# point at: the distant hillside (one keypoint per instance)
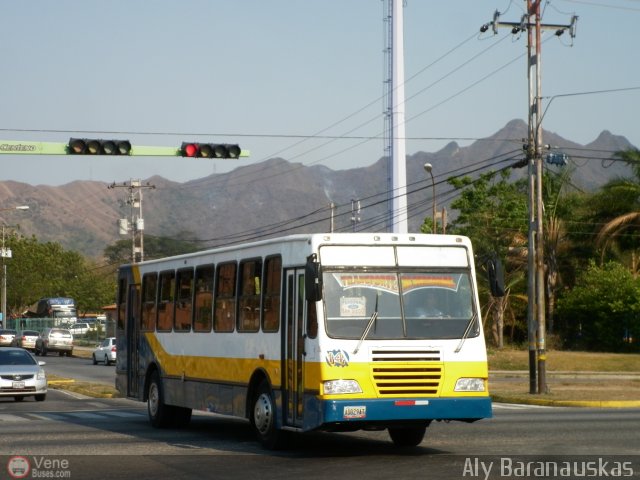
(282, 196)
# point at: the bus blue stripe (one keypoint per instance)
(389, 409)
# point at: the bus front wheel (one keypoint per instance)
(263, 418)
(407, 436)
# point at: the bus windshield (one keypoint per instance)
(406, 305)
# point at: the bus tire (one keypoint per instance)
(407, 436)
(263, 418)
(160, 415)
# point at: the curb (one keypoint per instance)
(540, 400)
(543, 402)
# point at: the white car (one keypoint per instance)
(106, 352)
(21, 375)
(80, 328)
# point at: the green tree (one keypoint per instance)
(493, 213)
(602, 310)
(38, 270)
(618, 204)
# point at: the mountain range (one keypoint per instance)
(277, 197)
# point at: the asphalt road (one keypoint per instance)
(79, 368)
(112, 438)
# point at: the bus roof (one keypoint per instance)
(317, 239)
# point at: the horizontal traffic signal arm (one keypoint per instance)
(19, 147)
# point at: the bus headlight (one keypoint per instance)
(469, 385)
(336, 387)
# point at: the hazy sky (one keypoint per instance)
(270, 74)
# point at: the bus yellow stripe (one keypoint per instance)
(231, 370)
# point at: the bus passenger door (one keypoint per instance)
(133, 333)
(293, 355)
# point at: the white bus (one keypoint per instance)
(332, 332)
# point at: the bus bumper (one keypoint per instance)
(402, 409)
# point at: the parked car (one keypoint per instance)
(21, 375)
(55, 340)
(106, 351)
(81, 328)
(25, 339)
(6, 337)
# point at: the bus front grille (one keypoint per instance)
(406, 372)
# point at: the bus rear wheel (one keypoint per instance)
(162, 415)
(159, 413)
(407, 436)
(263, 418)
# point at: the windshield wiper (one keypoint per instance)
(467, 330)
(372, 320)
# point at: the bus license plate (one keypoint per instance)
(354, 412)
(18, 385)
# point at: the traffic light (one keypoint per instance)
(89, 146)
(210, 150)
(557, 158)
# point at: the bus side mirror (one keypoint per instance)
(312, 280)
(496, 277)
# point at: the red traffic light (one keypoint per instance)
(86, 146)
(210, 150)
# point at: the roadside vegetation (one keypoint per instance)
(592, 256)
(38, 270)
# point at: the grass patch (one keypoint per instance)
(96, 390)
(571, 376)
(566, 361)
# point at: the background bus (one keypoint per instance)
(333, 332)
(61, 309)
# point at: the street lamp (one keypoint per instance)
(6, 253)
(428, 168)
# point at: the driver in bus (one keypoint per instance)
(424, 305)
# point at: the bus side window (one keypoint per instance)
(184, 296)
(165, 300)
(271, 286)
(249, 297)
(148, 318)
(225, 298)
(203, 303)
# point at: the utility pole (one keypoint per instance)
(6, 253)
(332, 208)
(536, 321)
(135, 225)
(355, 214)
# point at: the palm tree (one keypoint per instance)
(609, 236)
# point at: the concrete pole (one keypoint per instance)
(399, 161)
